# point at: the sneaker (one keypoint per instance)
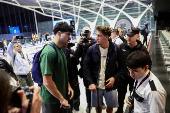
(103, 106)
(87, 109)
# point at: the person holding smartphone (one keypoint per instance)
(20, 62)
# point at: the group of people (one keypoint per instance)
(107, 65)
(40, 38)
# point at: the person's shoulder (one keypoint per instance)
(143, 48)
(152, 85)
(93, 41)
(93, 46)
(140, 46)
(155, 88)
(48, 50)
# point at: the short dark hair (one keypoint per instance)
(63, 27)
(5, 90)
(138, 59)
(104, 29)
(115, 31)
(146, 25)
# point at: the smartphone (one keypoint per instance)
(19, 37)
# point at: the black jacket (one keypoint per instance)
(71, 65)
(126, 50)
(80, 52)
(92, 65)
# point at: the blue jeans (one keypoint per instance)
(4, 48)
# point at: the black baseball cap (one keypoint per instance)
(133, 31)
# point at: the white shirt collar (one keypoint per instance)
(139, 80)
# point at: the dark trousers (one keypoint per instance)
(88, 97)
(4, 49)
(76, 100)
(53, 108)
(145, 40)
(88, 93)
(122, 89)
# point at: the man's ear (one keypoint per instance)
(59, 33)
(146, 67)
(137, 36)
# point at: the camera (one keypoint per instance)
(19, 37)
(15, 99)
(85, 33)
(85, 40)
(70, 45)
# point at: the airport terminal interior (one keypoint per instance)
(33, 21)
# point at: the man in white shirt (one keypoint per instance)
(115, 37)
(148, 94)
(19, 61)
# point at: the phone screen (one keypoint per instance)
(19, 37)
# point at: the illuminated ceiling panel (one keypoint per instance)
(87, 10)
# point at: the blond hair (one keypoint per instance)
(104, 29)
(122, 32)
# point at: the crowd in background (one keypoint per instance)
(107, 66)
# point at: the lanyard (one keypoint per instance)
(143, 80)
(136, 82)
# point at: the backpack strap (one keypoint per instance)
(55, 51)
(93, 49)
